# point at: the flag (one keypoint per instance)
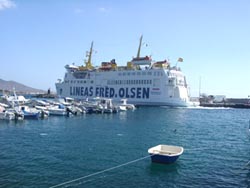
(180, 59)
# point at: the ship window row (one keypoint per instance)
(140, 73)
(129, 82)
(78, 81)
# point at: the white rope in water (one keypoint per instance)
(100, 172)
(112, 168)
(247, 163)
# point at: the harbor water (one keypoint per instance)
(47, 152)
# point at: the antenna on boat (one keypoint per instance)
(89, 55)
(139, 48)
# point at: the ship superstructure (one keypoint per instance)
(142, 81)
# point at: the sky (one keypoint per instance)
(38, 38)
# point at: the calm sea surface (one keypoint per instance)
(45, 153)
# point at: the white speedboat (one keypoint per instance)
(126, 105)
(57, 110)
(10, 114)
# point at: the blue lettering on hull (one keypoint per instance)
(108, 92)
(81, 91)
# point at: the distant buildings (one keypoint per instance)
(222, 101)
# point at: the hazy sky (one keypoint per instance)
(38, 38)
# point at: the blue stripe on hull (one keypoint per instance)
(36, 116)
(163, 159)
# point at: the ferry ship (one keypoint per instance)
(142, 81)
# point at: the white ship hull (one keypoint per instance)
(161, 87)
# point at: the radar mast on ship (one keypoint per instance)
(139, 48)
(88, 63)
(141, 60)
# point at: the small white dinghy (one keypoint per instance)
(165, 153)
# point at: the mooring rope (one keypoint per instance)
(247, 164)
(112, 168)
(100, 172)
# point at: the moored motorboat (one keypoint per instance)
(107, 106)
(29, 113)
(58, 110)
(10, 114)
(126, 105)
(14, 99)
(165, 153)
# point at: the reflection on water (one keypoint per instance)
(156, 168)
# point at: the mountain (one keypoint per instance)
(20, 88)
